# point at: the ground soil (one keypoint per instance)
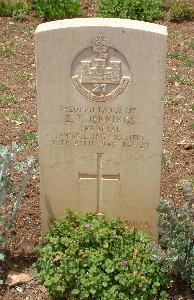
(25, 236)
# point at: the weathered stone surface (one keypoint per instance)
(100, 107)
(17, 278)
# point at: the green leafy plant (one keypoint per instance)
(6, 8)
(16, 116)
(15, 41)
(182, 56)
(5, 51)
(190, 43)
(20, 73)
(176, 35)
(173, 99)
(180, 10)
(92, 257)
(7, 100)
(176, 230)
(11, 189)
(17, 10)
(3, 87)
(147, 10)
(56, 9)
(8, 48)
(28, 30)
(166, 158)
(177, 78)
(20, 10)
(29, 139)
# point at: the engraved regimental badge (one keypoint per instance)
(100, 73)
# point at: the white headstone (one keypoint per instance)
(100, 109)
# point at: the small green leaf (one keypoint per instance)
(2, 240)
(75, 292)
(2, 257)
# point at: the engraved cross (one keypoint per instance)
(100, 177)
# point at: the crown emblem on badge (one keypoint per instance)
(100, 44)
